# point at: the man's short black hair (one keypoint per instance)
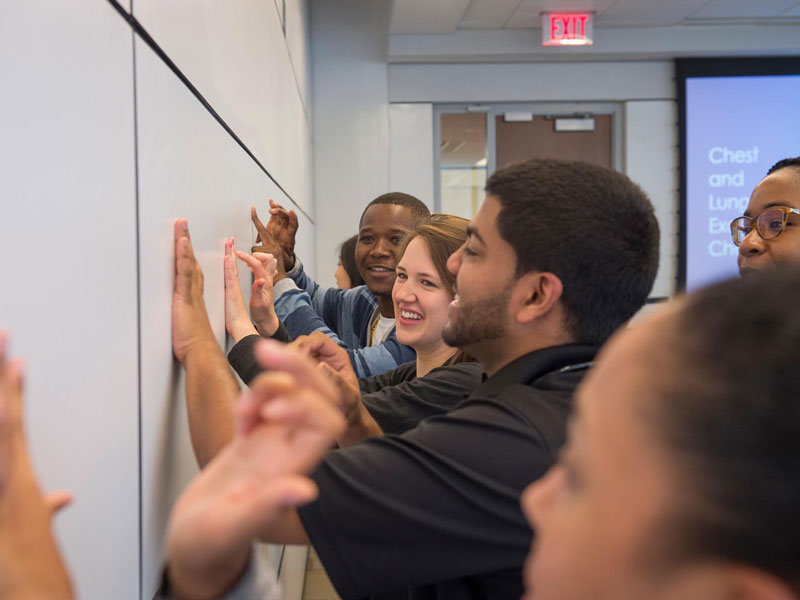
(784, 163)
(592, 227)
(417, 206)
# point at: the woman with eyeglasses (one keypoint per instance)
(679, 480)
(769, 232)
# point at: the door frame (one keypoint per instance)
(494, 109)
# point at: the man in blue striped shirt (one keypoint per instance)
(361, 319)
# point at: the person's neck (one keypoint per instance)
(427, 360)
(386, 307)
(495, 354)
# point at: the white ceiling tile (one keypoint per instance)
(650, 13)
(737, 9)
(488, 14)
(427, 16)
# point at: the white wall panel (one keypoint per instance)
(188, 167)
(68, 267)
(411, 150)
(651, 160)
(235, 53)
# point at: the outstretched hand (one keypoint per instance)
(267, 241)
(30, 564)
(190, 325)
(285, 423)
(262, 307)
(323, 349)
(349, 395)
(283, 226)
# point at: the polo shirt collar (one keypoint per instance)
(530, 367)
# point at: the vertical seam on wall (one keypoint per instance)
(303, 99)
(138, 308)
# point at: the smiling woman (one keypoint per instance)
(768, 238)
(424, 290)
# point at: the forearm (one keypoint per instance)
(267, 325)
(206, 581)
(39, 573)
(30, 562)
(360, 426)
(211, 393)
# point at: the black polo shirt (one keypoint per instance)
(435, 513)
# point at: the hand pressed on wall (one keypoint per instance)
(190, 325)
(262, 307)
(237, 321)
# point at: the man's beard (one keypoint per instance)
(478, 321)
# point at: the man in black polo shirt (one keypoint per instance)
(559, 255)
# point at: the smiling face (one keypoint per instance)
(485, 272)
(782, 188)
(384, 228)
(597, 515)
(420, 300)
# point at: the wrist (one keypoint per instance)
(202, 582)
(200, 347)
(240, 329)
(268, 326)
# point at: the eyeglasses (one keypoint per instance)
(769, 223)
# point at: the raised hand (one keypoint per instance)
(190, 324)
(349, 394)
(283, 226)
(267, 243)
(262, 306)
(323, 349)
(360, 423)
(285, 423)
(237, 321)
(30, 564)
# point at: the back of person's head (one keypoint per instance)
(443, 234)
(347, 255)
(417, 207)
(786, 163)
(592, 227)
(730, 422)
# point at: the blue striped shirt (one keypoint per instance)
(343, 315)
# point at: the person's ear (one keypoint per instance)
(749, 583)
(535, 294)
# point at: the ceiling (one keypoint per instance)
(447, 16)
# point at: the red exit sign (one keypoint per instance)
(567, 29)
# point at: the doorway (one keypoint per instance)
(472, 141)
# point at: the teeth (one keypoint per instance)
(410, 315)
(380, 269)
